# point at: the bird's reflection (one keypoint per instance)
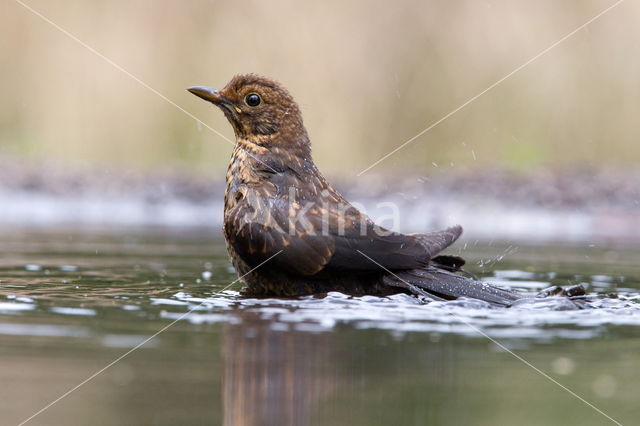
(273, 375)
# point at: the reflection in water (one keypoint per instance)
(272, 375)
(71, 304)
(276, 375)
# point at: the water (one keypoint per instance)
(72, 302)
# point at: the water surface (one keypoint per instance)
(71, 302)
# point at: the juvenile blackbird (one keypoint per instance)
(279, 209)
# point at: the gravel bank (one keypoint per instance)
(584, 206)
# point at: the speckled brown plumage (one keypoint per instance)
(278, 206)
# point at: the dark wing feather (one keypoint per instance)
(374, 250)
(394, 251)
(332, 236)
(301, 254)
(435, 242)
(309, 253)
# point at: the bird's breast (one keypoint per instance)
(249, 193)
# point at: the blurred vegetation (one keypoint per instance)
(368, 76)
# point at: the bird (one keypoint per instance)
(289, 233)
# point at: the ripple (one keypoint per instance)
(43, 330)
(6, 307)
(538, 319)
(73, 311)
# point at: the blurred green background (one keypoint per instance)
(368, 74)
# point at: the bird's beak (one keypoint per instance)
(208, 94)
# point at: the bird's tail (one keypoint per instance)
(444, 285)
(439, 284)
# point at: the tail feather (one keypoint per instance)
(447, 285)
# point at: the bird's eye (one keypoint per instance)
(253, 100)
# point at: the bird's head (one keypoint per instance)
(259, 109)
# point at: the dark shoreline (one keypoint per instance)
(573, 205)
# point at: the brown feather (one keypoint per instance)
(279, 207)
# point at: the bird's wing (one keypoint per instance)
(435, 242)
(390, 250)
(308, 254)
(322, 242)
